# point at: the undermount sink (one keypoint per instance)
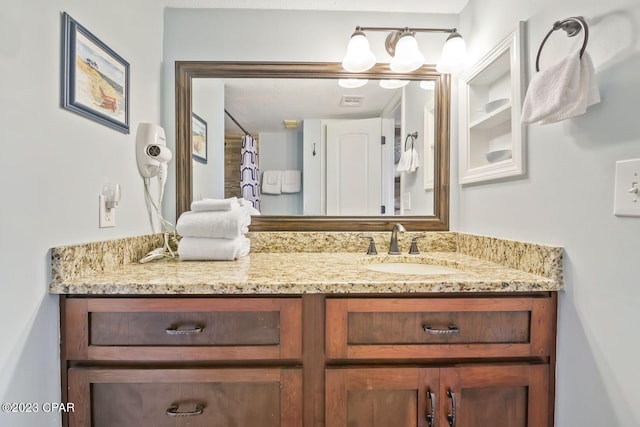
(410, 268)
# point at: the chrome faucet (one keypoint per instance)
(393, 244)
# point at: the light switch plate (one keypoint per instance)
(406, 201)
(627, 188)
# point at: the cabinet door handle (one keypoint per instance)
(173, 411)
(431, 416)
(452, 416)
(187, 330)
(453, 330)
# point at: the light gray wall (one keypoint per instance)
(567, 199)
(280, 151)
(416, 99)
(208, 104)
(274, 35)
(53, 166)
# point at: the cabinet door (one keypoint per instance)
(267, 397)
(496, 396)
(379, 397)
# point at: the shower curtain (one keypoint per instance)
(249, 187)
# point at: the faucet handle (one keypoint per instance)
(372, 245)
(413, 250)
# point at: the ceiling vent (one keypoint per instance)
(351, 100)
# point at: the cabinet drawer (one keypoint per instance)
(183, 329)
(261, 397)
(421, 328)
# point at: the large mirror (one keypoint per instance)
(344, 159)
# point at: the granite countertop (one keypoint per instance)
(306, 272)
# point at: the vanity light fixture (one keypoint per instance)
(290, 124)
(402, 45)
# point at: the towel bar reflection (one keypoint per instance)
(572, 26)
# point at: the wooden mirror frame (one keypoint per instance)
(185, 71)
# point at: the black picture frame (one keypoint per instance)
(199, 139)
(95, 79)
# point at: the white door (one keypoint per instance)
(354, 163)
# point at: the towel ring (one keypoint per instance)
(571, 26)
(413, 137)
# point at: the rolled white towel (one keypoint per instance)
(215, 224)
(214, 204)
(203, 249)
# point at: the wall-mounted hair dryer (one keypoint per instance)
(152, 156)
(151, 149)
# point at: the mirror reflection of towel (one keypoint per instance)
(291, 181)
(409, 161)
(271, 182)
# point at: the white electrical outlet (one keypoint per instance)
(627, 188)
(107, 217)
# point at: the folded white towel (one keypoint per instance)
(248, 205)
(215, 224)
(215, 204)
(562, 91)
(271, 182)
(291, 181)
(203, 249)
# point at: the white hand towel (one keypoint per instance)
(561, 91)
(215, 225)
(214, 204)
(271, 182)
(203, 249)
(409, 161)
(588, 94)
(291, 181)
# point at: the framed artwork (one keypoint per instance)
(198, 138)
(95, 79)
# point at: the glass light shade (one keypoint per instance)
(393, 84)
(407, 56)
(352, 83)
(454, 55)
(359, 56)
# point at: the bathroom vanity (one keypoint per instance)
(299, 336)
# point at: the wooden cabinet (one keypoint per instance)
(428, 328)
(183, 361)
(473, 396)
(312, 361)
(265, 397)
(178, 329)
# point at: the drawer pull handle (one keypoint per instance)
(452, 416)
(453, 330)
(187, 330)
(173, 411)
(431, 416)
